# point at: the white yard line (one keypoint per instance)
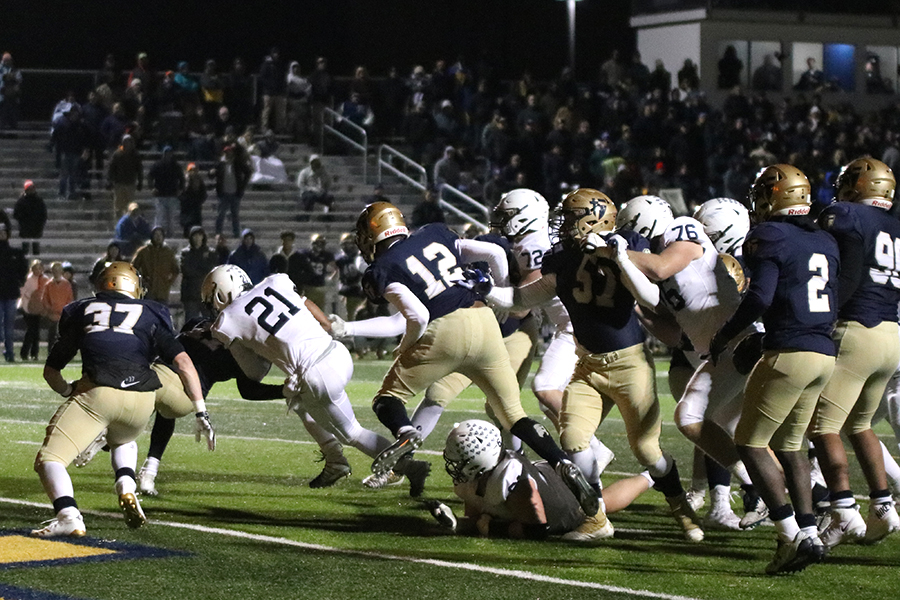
(517, 574)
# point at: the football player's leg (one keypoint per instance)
(438, 395)
(581, 414)
(554, 374)
(124, 463)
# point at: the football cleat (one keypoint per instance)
(755, 511)
(408, 442)
(696, 498)
(416, 470)
(882, 521)
(443, 514)
(686, 518)
(720, 515)
(377, 482)
(846, 525)
(134, 515)
(88, 454)
(794, 556)
(61, 527)
(147, 483)
(575, 481)
(331, 474)
(592, 529)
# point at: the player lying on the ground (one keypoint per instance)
(505, 494)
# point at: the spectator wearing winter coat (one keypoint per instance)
(113, 254)
(125, 175)
(250, 257)
(157, 265)
(132, 230)
(197, 259)
(232, 176)
(191, 199)
(13, 270)
(166, 179)
(31, 214)
(32, 309)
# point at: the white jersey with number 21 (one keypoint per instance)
(272, 320)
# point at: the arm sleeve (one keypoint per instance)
(538, 292)
(412, 309)
(254, 390)
(377, 327)
(759, 297)
(492, 254)
(644, 291)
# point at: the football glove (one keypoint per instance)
(747, 353)
(476, 280)
(443, 514)
(591, 242)
(338, 329)
(619, 246)
(203, 428)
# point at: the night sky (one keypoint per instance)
(510, 34)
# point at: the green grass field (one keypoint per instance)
(241, 522)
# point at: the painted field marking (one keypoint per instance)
(424, 561)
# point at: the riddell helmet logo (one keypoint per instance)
(798, 211)
(395, 231)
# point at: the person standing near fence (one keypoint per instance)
(13, 269)
(32, 309)
(31, 214)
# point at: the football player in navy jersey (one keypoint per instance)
(869, 292)
(118, 334)
(448, 330)
(614, 366)
(793, 267)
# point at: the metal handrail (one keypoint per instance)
(362, 146)
(465, 217)
(422, 183)
(465, 198)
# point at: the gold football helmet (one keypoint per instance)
(735, 271)
(779, 190)
(121, 277)
(867, 181)
(585, 211)
(378, 221)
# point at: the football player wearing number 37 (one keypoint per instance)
(276, 323)
(793, 267)
(118, 334)
(614, 367)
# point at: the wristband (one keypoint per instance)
(199, 406)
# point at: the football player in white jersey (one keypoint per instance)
(694, 285)
(522, 216)
(273, 321)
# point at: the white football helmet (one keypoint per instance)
(646, 215)
(223, 285)
(520, 211)
(726, 222)
(473, 447)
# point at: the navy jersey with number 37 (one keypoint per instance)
(428, 263)
(118, 338)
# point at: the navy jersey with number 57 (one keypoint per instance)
(794, 271)
(601, 308)
(428, 263)
(874, 235)
(118, 338)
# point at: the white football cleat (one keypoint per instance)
(377, 482)
(883, 521)
(72, 526)
(696, 497)
(847, 525)
(86, 455)
(147, 483)
(720, 515)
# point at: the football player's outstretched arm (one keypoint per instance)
(527, 296)
(475, 251)
(191, 382)
(376, 327)
(412, 309)
(644, 291)
(319, 315)
(673, 259)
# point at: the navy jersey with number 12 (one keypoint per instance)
(428, 263)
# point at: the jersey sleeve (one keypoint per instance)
(221, 329)
(682, 229)
(841, 221)
(763, 243)
(636, 241)
(374, 282)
